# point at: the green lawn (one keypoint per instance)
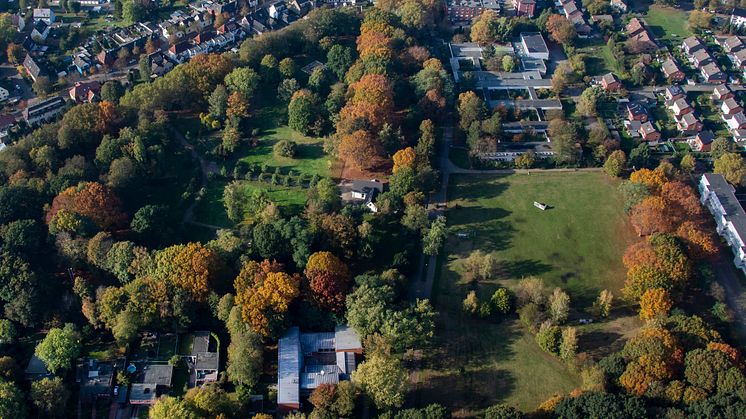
(211, 210)
(271, 120)
(668, 23)
(577, 245)
(599, 59)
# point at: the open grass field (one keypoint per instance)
(577, 245)
(667, 23)
(211, 210)
(311, 158)
(478, 364)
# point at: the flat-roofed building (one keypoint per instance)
(307, 360)
(534, 45)
(718, 196)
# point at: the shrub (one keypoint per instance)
(548, 337)
(530, 315)
(285, 148)
(502, 301)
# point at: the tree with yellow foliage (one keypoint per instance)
(192, 267)
(264, 293)
(653, 179)
(655, 302)
(404, 158)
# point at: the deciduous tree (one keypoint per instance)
(383, 379)
(91, 200)
(329, 280)
(59, 348)
(654, 303)
(561, 29)
(264, 293)
(732, 167)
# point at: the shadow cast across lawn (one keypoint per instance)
(521, 268)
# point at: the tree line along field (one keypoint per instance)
(577, 244)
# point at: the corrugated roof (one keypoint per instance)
(347, 338)
(315, 342)
(310, 381)
(288, 368)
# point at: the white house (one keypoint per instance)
(719, 197)
(534, 46)
(368, 191)
(738, 17)
(276, 9)
(45, 15)
(620, 5)
(40, 31)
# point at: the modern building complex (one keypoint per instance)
(719, 197)
(306, 360)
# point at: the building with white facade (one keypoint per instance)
(738, 17)
(718, 196)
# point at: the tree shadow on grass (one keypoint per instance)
(464, 375)
(309, 151)
(521, 268)
(601, 343)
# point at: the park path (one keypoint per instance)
(206, 168)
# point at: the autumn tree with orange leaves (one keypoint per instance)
(658, 262)
(360, 149)
(700, 244)
(91, 200)
(371, 104)
(654, 303)
(681, 203)
(653, 179)
(648, 217)
(654, 355)
(329, 280)
(264, 293)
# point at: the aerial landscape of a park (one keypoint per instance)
(399, 209)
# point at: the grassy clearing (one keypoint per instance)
(211, 210)
(478, 365)
(599, 59)
(667, 23)
(577, 244)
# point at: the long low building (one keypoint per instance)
(306, 360)
(44, 111)
(718, 196)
